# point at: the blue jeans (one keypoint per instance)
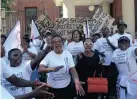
(34, 75)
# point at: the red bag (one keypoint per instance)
(97, 85)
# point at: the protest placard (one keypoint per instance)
(65, 26)
(99, 20)
(44, 23)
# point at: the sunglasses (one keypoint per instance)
(88, 43)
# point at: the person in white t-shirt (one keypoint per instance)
(46, 43)
(102, 47)
(121, 26)
(47, 40)
(19, 82)
(60, 67)
(125, 60)
(20, 69)
(28, 52)
(76, 46)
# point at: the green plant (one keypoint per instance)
(6, 4)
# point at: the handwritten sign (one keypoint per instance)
(44, 23)
(99, 20)
(65, 26)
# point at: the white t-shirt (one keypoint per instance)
(6, 73)
(23, 71)
(117, 36)
(26, 57)
(75, 48)
(37, 43)
(125, 61)
(5, 94)
(102, 46)
(61, 78)
(5, 69)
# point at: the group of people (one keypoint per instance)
(68, 65)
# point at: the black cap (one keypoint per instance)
(123, 38)
(121, 23)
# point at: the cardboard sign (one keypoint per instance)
(65, 26)
(44, 23)
(99, 20)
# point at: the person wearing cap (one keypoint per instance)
(124, 58)
(121, 27)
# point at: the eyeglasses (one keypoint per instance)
(88, 43)
(55, 42)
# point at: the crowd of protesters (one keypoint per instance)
(66, 65)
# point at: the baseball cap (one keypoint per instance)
(123, 38)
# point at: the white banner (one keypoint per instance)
(86, 29)
(13, 40)
(34, 31)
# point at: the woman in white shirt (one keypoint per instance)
(125, 60)
(28, 52)
(21, 69)
(76, 46)
(60, 67)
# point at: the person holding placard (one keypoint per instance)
(60, 67)
(102, 47)
(76, 46)
(125, 60)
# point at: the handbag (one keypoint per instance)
(97, 84)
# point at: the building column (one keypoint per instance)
(106, 6)
(68, 9)
(128, 14)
